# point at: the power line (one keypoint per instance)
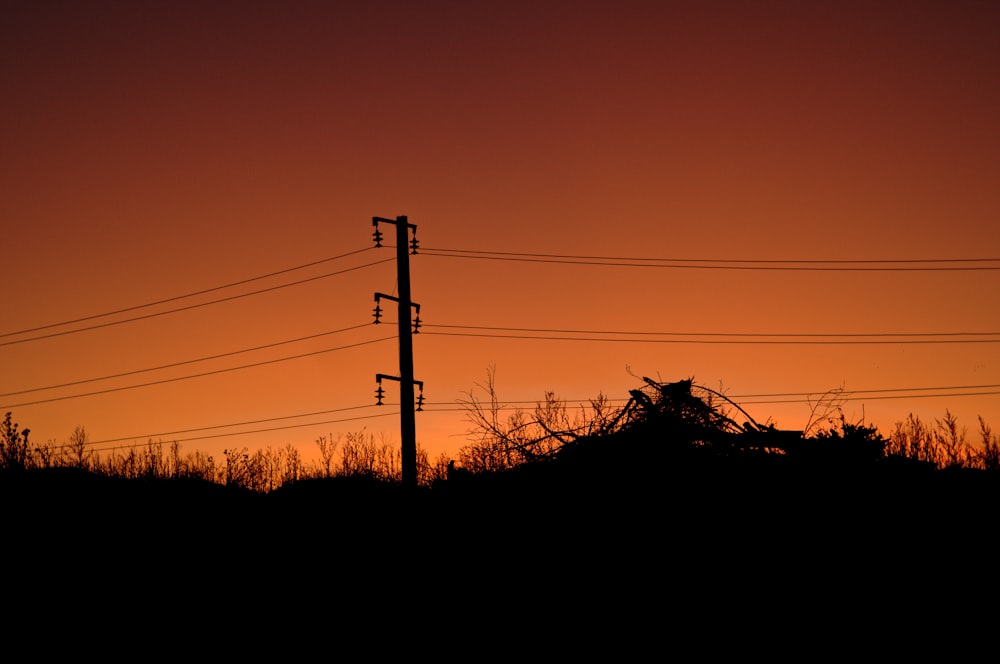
(845, 395)
(246, 433)
(183, 362)
(431, 408)
(198, 375)
(443, 406)
(194, 306)
(882, 397)
(886, 265)
(510, 405)
(848, 335)
(185, 296)
(722, 260)
(536, 337)
(227, 426)
(873, 391)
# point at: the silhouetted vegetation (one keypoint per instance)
(354, 454)
(678, 494)
(669, 417)
(674, 443)
(685, 416)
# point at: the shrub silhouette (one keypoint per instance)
(848, 442)
(14, 448)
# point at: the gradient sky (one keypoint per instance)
(155, 149)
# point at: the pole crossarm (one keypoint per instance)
(379, 377)
(379, 392)
(377, 311)
(401, 225)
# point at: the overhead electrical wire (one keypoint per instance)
(183, 362)
(199, 375)
(431, 408)
(721, 260)
(186, 295)
(852, 397)
(867, 265)
(714, 334)
(926, 264)
(845, 395)
(847, 398)
(230, 425)
(504, 406)
(563, 336)
(190, 306)
(872, 394)
(253, 431)
(938, 390)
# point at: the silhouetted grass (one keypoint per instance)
(677, 459)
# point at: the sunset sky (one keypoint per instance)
(154, 150)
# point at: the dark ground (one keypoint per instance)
(571, 558)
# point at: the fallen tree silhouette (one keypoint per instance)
(664, 417)
(674, 440)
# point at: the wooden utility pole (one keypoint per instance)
(407, 404)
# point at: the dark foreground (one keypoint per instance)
(575, 558)
(726, 511)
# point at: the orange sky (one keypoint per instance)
(156, 149)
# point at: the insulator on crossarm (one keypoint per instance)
(377, 312)
(377, 236)
(420, 401)
(379, 393)
(416, 324)
(414, 244)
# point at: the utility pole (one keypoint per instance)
(407, 419)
